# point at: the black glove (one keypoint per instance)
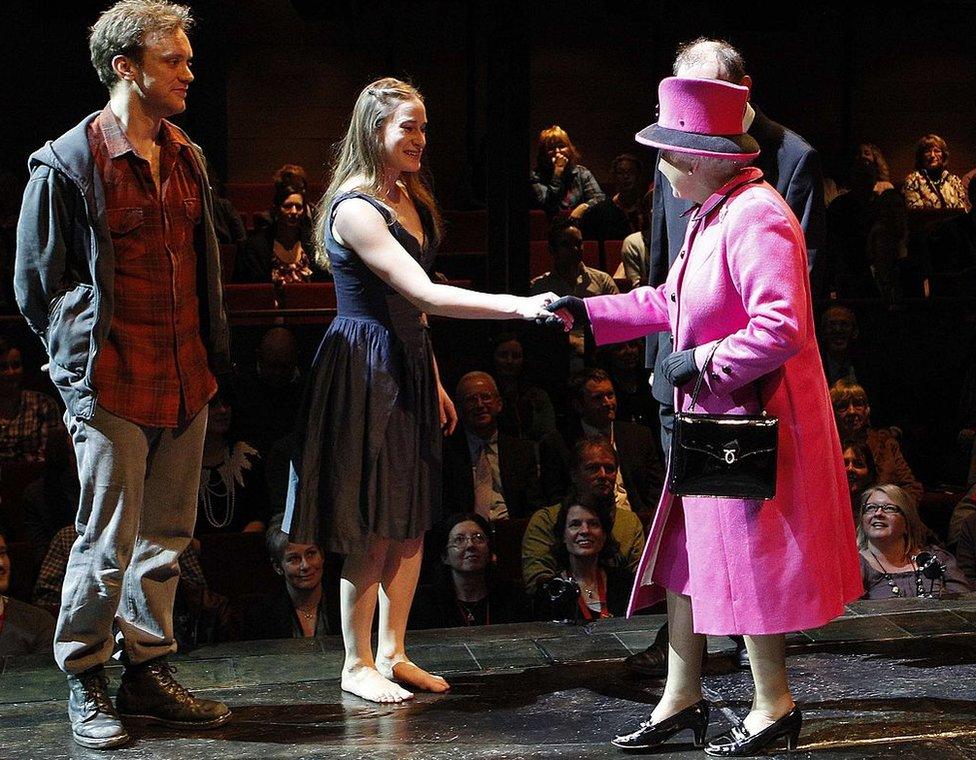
(679, 368)
(571, 305)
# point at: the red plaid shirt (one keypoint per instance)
(153, 368)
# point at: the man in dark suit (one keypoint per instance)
(641, 472)
(485, 470)
(789, 164)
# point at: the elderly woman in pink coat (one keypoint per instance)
(729, 566)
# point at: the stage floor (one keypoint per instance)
(889, 679)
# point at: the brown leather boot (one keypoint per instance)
(150, 692)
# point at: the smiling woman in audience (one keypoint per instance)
(897, 558)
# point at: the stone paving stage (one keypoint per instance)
(890, 679)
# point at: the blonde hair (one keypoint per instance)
(915, 530)
(360, 153)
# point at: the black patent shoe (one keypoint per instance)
(653, 661)
(740, 743)
(94, 720)
(150, 692)
(650, 735)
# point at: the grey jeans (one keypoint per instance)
(136, 515)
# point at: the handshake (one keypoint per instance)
(678, 368)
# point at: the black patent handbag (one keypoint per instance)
(725, 456)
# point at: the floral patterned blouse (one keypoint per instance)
(921, 191)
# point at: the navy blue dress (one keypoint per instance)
(369, 438)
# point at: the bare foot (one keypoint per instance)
(405, 672)
(367, 683)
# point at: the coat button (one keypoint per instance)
(682, 254)
(727, 370)
(673, 298)
(671, 339)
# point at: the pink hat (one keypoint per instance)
(702, 117)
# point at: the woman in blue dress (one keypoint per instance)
(365, 481)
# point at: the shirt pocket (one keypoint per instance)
(125, 221)
(192, 210)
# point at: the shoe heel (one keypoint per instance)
(700, 729)
(793, 739)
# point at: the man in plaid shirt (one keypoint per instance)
(118, 271)
(27, 418)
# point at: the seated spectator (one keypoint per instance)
(569, 276)
(47, 587)
(960, 514)
(559, 183)
(966, 549)
(862, 473)
(485, 470)
(227, 221)
(953, 242)
(233, 495)
(891, 536)
(626, 212)
(931, 186)
(465, 593)
(51, 501)
(593, 477)
(634, 259)
(872, 154)
(24, 628)
(527, 411)
(838, 337)
(283, 252)
(268, 395)
(853, 414)
(588, 586)
(888, 245)
(27, 418)
(849, 221)
(624, 363)
(300, 608)
(640, 476)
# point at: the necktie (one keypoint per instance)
(484, 497)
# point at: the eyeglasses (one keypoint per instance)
(888, 509)
(478, 539)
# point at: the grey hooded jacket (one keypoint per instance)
(64, 274)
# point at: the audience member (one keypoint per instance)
(300, 608)
(485, 470)
(838, 337)
(588, 586)
(27, 418)
(283, 251)
(960, 514)
(47, 587)
(24, 628)
(227, 221)
(465, 592)
(893, 543)
(888, 244)
(569, 276)
(268, 394)
(862, 473)
(51, 501)
(966, 549)
(953, 242)
(853, 415)
(624, 363)
(560, 183)
(627, 211)
(527, 410)
(233, 496)
(634, 258)
(873, 155)
(849, 221)
(640, 476)
(594, 476)
(931, 185)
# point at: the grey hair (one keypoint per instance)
(477, 375)
(732, 66)
(124, 29)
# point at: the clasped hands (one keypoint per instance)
(678, 368)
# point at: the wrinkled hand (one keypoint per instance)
(567, 312)
(536, 307)
(679, 368)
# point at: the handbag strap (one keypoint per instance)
(701, 375)
(701, 378)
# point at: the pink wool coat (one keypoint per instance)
(750, 567)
